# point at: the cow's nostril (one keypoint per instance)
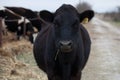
(61, 44)
(70, 43)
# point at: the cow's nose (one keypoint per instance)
(66, 46)
(66, 43)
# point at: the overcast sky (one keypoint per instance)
(52, 5)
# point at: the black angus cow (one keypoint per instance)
(29, 14)
(62, 48)
(16, 24)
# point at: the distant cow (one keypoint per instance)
(15, 23)
(29, 14)
(62, 47)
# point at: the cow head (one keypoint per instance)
(2, 12)
(66, 23)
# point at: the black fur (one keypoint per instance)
(65, 26)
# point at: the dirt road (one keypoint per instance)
(104, 61)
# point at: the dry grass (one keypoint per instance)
(17, 62)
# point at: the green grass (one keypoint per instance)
(116, 23)
(27, 58)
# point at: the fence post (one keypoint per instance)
(0, 32)
(24, 28)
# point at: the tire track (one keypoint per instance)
(104, 61)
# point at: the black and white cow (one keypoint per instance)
(15, 23)
(33, 16)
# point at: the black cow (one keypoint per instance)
(15, 23)
(62, 48)
(29, 14)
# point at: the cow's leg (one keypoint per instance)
(31, 38)
(18, 35)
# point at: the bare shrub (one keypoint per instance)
(82, 6)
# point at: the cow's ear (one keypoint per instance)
(46, 15)
(86, 16)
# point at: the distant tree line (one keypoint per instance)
(114, 15)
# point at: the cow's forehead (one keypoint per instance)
(66, 13)
(66, 17)
(66, 9)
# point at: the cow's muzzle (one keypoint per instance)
(66, 46)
